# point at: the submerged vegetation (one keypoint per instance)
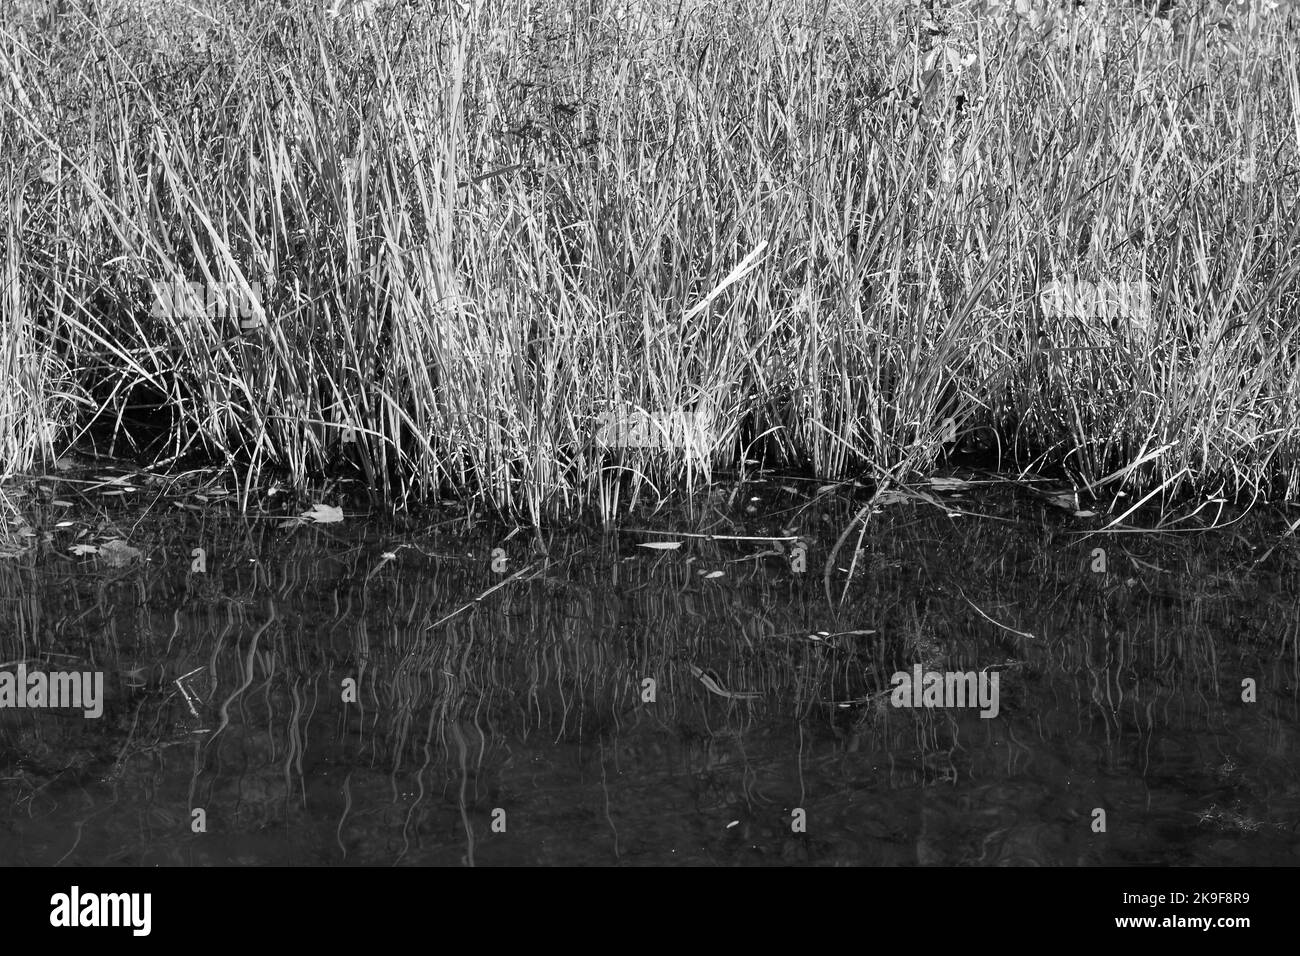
(435, 243)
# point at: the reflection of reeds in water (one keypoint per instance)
(523, 688)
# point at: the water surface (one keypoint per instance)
(501, 713)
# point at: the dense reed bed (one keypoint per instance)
(443, 243)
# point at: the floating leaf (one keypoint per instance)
(117, 553)
(661, 545)
(713, 574)
(323, 514)
(60, 503)
(80, 549)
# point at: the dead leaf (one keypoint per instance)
(323, 514)
(117, 553)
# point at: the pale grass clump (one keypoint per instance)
(462, 233)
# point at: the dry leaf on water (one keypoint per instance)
(323, 514)
(117, 553)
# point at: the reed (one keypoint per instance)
(437, 242)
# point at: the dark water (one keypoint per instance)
(515, 731)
